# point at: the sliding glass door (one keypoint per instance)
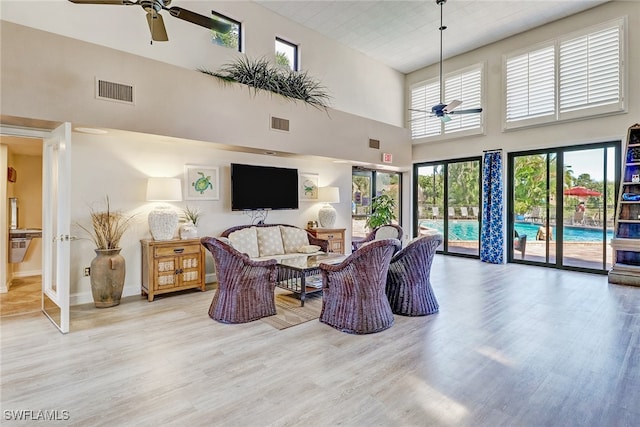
(367, 184)
(447, 200)
(563, 203)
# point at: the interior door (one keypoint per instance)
(56, 188)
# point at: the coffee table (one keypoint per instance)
(298, 274)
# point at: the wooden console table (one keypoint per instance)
(335, 236)
(171, 266)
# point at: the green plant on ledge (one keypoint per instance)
(382, 211)
(261, 74)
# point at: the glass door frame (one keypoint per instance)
(355, 170)
(559, 208)
(445, 200)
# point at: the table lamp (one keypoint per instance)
(163, 220)
(327, 213)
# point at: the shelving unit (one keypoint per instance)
(626, 242)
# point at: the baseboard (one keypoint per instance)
(87, 297)
(20, 274)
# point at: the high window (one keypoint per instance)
(575, 76)
(464, 85)
(286, 54)
(231, 39)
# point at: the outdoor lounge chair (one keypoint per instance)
(475, 211)
(435, 212)
(353, 292)
(464, 212)
(452, 212)
(245, 287)
(408, 286)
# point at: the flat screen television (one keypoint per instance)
(263, 187)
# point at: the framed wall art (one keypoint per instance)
(201, 183)
(308, 183)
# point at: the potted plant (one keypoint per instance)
(108, 267)
(190, 217)
(382, 211)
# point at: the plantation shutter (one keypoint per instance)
(590, 70)
(530, 80)
(466, 87)
(423, 97)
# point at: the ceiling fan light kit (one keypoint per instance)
(442, 110)
(154, 18)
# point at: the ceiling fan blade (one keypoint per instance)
(157, 28)
(419, 111)
(450, 106)
(203, 21)
(120, 2)
(469, 111)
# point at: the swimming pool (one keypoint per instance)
(469, 230)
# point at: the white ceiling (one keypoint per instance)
(404, 34)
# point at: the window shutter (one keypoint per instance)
(590, 70)
(423, 97)
(531, 85)
(466, 87)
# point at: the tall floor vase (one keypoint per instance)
(107, 277)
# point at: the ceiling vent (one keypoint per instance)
(279, 124)
(111, 91)
(374, 143)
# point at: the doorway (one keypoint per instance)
(366, 185)
(22, 282)
(447, 201)
(563, 200)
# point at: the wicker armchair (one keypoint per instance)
(353, 298)
(389, 231)
(245, 287)
(408, 286)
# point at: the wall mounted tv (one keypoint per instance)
(263, 187)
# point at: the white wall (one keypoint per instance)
(52, 77)
(118, 165)
(606, 128)
(352, 78)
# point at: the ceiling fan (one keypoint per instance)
(154, 19)
(442, 110)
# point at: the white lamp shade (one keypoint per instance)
(164, 190)
(329, 194)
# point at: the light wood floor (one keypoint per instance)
(513, 345)
(24, 296)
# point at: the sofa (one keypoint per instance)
(273, 241)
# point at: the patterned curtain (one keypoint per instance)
(492, 233)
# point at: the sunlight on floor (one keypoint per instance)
(437, 405)
(496, 355)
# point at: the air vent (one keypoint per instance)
(111, 91)
(279, 124)
(374, 143)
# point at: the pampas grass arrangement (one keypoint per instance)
(107, 227)
(261, 74)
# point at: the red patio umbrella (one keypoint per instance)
(581, 192)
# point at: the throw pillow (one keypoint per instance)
(293, 238)
(270, 241)
(245, 241)
(308, 249)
